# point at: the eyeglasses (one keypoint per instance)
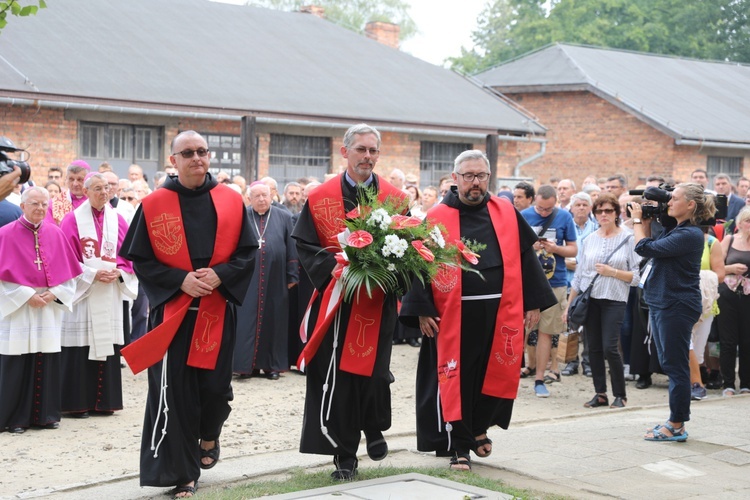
(37, 204)
(362, 150)
(608, 211)
(129, 198)
(543, 210)
(481, 177)
(188, 153)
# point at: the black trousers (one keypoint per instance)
(734, 332)
(603, 326)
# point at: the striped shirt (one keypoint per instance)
(596, 249)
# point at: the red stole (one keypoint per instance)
(503, 373)
(326, 204)
(167, 234)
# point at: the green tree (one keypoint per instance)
(18, 9)
(353, 14)
(715, 29)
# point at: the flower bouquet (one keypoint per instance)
(384, 249)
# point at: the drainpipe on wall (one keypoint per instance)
(539, 154)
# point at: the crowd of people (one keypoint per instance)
(663, 290)
(204, 280)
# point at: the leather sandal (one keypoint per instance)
(184, 489)
(377, 448)
(528, 372)
(213, 454)
(597, 401)
(459, 461)
(479, 443)
(346, 468)
(549, 378)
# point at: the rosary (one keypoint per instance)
(260, 235)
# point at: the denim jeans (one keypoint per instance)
(671, 329)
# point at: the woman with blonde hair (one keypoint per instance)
(734, 302)
(671, 284)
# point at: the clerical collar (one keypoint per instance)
(28, 224)
(353, 183)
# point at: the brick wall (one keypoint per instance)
(588, 135)
(50, 139)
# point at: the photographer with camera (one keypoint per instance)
(8, 182)
(671, 283)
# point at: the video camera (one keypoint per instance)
(6, 164)
(662, 195)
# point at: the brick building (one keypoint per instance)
(272, 91)
(611, 111)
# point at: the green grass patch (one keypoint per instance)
(299, 480)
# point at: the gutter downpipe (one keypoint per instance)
(539, 154)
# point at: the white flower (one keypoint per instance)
(379, 218)
(437, 237)
(391, 267)
(394, 246)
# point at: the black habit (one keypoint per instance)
(263, 318)
(358, 402)
(198, 399)
(478, 318)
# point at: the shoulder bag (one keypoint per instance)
(579, 307)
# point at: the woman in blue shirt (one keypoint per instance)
(672, 292)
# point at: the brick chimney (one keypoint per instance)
(385, 33)
(315, 10)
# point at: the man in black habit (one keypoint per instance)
(193, 252)
(263, 318)
(359, 398)
(473, 324)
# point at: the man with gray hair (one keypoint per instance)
(565, 189)
(360, 398)
(397, 178)
(93, 332)
(37, 284)
(73, 197)
(467, 377)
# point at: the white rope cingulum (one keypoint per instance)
(331, 371)
(162, 402)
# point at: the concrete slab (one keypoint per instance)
(402, 487)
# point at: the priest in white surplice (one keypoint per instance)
(38, 274)
(93, 333)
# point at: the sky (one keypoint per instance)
(444, 27)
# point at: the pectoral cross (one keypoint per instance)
(38, 260)
(260, 242)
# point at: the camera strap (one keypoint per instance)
(549, 222)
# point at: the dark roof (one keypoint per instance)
(685, 98)
(214, 57)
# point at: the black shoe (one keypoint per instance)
(346, 468)
(78, 414)
(16, 430)
(399, 342)
(597, 401)
(619, 402)
(51, 425)
(414, 342)
(272, 375)
(715, 380)
(377, 448)
(570, 370)
(644, 382)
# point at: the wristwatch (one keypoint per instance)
(637, 221)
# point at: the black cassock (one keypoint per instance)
(198, 399)
(358, 403)
(263, 318)
(478, 319)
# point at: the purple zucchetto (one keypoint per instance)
(80, 163)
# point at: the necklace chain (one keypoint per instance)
(261, 240)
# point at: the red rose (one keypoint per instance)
(423, 251)
(471, 257)
(359, 239)
(402, 221)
